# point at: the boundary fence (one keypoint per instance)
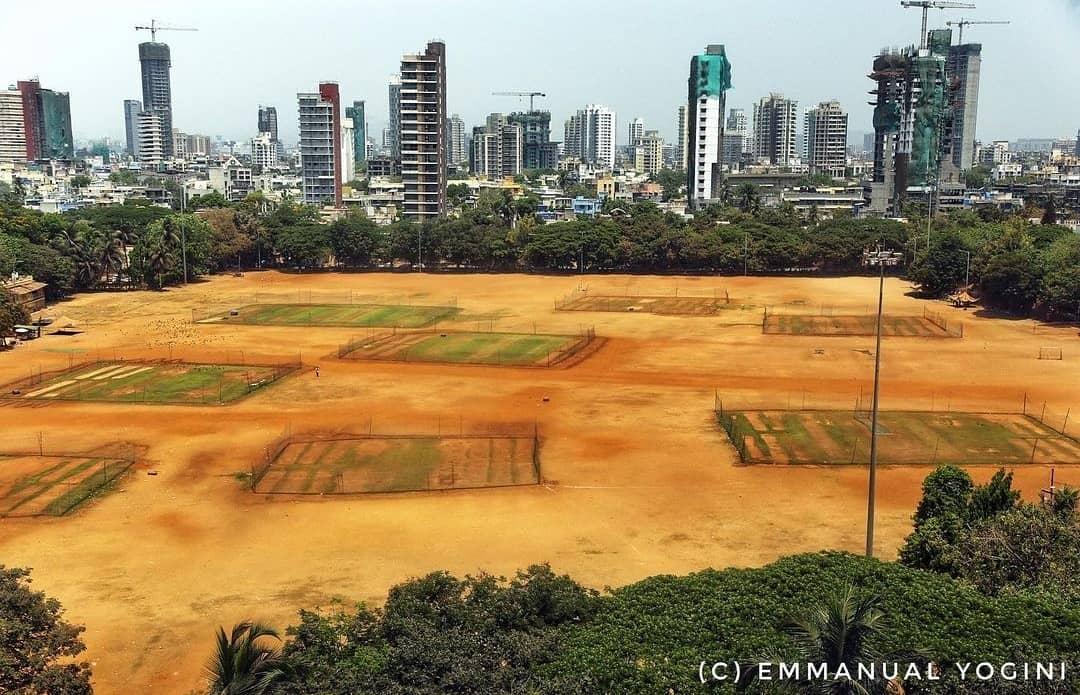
(276, 448)
(1056, 420)
(952, 329)
(13, 391)
(352, 349)
(617, 302)
(307, 297)
(113, 467)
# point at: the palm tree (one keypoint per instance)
(839, 633)
(725, 193)
(749, 200)
(243, 662)
(87, 271)
(113, 256)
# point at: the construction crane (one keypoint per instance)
(531, 96)
(154, 28)
(936, 5)
(967, 22)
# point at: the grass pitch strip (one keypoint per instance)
(399, 464)
(53, 485)
(137, 382)
(346, 315)
(508, 349)
(904, 438)
(891, 326)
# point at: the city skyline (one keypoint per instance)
(1011, 80)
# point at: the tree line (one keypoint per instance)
(984, 576)
(1010, 264)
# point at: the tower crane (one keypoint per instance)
(531, 96)
(936, 5)
(154, 28)
(967, 22)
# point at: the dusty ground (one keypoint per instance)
(642, 481)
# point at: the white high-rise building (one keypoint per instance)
(320, 145)
(590, 136)
(825, 130)
(637, 131)
(739, 125)
(775, 125)
(150, 126)
(455, 141)
(12, 129)
(710, 78)
(264, 151)
(497, 148)
(649, 152)
(348, 150)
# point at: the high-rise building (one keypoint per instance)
(826, 139)
(738, 124)
(497, 149)
(680, 134)
(348, 149)
(395, 118)
(320, 145)
(264, 151)
(33, 121)
(268, 121)
(539, 151)
(963, 66)
(179, 140)
(710, 78)
(150, 126)
(12, 127)
(359, 123)
(1076, 147)
(636, 131)
(132, 107)
(455, 141)
(46, 122)
(775, 122)
(423, 131)
(913, 122)
(157, 87)
(199, 145)
(649, 152)
(590, 136)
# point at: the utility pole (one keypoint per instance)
(881, 258)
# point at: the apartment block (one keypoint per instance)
(423, 131)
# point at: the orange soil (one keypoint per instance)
(641, 481)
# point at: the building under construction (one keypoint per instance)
(924, 118)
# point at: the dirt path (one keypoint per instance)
(640, 480)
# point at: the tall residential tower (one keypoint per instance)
(155, 62)
(775, 122)
(710, 78)
(320, 145)
(423, 131)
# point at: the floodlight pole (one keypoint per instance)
(872, 492)
(967, 269)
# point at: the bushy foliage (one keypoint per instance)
(37, 647)
(439, 634)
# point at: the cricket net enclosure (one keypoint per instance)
(1029, 436)
(369, 463)
(931, 324)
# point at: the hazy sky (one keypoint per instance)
(630, 55)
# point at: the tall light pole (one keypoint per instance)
(967, 268)
(880, 258)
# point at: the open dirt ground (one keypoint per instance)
(640, 479)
